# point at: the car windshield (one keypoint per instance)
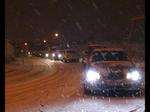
(71, 52)
(109, 56)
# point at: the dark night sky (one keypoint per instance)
(75, 19)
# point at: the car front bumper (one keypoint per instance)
(56, 58)
(111, 87)
(71, 59)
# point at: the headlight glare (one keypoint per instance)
(46, 55)
(53, 55)
(134, 75)
(59, 55)
(92, 76)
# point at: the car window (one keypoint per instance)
(109, 56)
(97, 56)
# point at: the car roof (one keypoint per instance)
(96, 45)
(108, 49)
(70, 50)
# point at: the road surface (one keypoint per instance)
(41, 85)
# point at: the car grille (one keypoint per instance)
(115, 76)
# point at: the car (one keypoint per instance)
(57, 55)
(39, 54)
(71, 55)
(109, 70)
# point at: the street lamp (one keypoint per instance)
(56, 34)
(44, 41)
(25, 44)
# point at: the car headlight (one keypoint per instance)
(59, 55)
(92, 76)
(46, 55)
(53, 55)
(134, 75)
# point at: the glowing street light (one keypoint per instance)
(25, 44)
(44, 41)
(56, 34)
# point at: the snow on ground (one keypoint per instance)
(60, 91)
(100, 105)
(26, 69)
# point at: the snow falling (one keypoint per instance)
(78, 26)
(37, 12)
(58, 85)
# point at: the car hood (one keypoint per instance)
(112, 66)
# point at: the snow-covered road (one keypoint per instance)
(45, 86)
